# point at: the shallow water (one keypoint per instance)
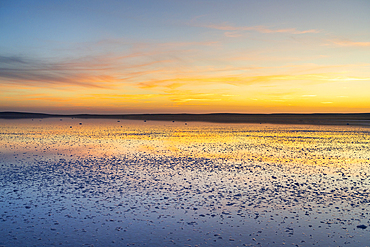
(78, 182)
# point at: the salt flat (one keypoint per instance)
(76, 182)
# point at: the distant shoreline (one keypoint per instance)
(358, 119)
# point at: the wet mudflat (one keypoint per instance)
(111, 183)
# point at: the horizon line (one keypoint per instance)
(357, 119)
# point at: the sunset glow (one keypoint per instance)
(185, 56)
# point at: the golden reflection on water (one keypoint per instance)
(332, 146)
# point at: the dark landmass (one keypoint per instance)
(362, 119)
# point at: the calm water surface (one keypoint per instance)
(76, 182)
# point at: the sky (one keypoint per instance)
(159, 56)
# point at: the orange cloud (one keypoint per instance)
(92, 72)
(243, 80)
(350, 43)
(121, 97)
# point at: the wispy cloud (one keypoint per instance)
(233, 34)
(210, 84)
(187, 44)
(105, 71)
(192, 99)
(49, 98)
(121, 97)
(41, 78)
(349, 78)
(11, 60)
(188, 97)
(260, 29)
(243, 80)
(350, 43)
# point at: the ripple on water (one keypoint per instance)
(166, 183)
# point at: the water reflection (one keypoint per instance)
(104, 182)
